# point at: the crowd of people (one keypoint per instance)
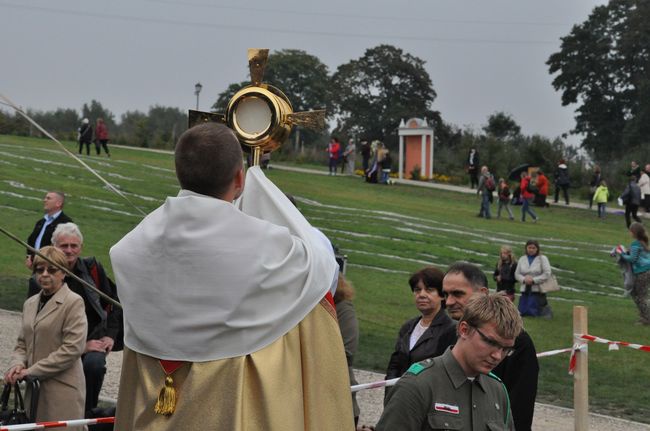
(277, 328)
(85, 136)
(532, 190)
(67, 329)
(376, 160)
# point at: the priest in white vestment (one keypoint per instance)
(228, 316)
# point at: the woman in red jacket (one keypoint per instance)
(101, 137)
(542, 189)
(526, 197)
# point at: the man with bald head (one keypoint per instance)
(43, 229)
(519, 371)
(228, 316)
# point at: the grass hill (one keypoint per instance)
(387, 233)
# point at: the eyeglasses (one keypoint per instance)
(507, 350)
(50, 269)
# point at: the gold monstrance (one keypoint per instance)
(260, 114)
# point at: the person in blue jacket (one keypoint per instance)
(639, 257)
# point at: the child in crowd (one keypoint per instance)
(601, 196)
(504, 198)
(504, 273)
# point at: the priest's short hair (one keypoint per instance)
(207, 157)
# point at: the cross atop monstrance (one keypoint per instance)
(260, 114)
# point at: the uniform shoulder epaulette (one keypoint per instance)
(418, 367)
(495, 377)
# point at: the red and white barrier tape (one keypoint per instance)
(554, 352)
(373, 385)
(57, 424)
(613, 345)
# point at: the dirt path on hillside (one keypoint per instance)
(546, 417)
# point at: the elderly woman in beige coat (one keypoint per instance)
(51, 340)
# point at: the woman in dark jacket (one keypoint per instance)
(427, 335)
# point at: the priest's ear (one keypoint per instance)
(238, 183)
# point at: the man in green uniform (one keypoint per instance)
(454, 391)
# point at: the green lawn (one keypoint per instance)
(387, 232)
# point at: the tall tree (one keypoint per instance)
(604, 66)
(375, 92)
(502, 126)
(96, 110)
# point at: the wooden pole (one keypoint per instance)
(581, 373)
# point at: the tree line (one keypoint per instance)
(158, 128)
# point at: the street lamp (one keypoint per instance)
(197, 90)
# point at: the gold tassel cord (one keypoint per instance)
(166, 404)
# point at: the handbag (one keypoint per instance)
(549, 285)
(16, 414)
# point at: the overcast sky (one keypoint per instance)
(483, 56)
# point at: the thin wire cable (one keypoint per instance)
(258, 29)
(360, 16)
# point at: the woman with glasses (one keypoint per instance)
(532, 270)
(427, 335)
(50, 343)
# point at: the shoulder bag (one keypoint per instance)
(550, 284)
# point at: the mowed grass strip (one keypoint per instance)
(387, 232)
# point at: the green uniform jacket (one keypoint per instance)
(435, 394)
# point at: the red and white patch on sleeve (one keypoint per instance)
(447, 408)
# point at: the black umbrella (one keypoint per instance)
(515, 174)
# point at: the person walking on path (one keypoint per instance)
(349, 155)
(85, 135)
(601, 196)
(593, 184)
(101, 137)
(504, 198)
(639, 257)
(526, 196)
(631, 198)
(644, 185)
(485, 188)
(333, 150)
(562, 181)
(473, 163)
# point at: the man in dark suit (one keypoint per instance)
(519, 371)
(42, 233)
